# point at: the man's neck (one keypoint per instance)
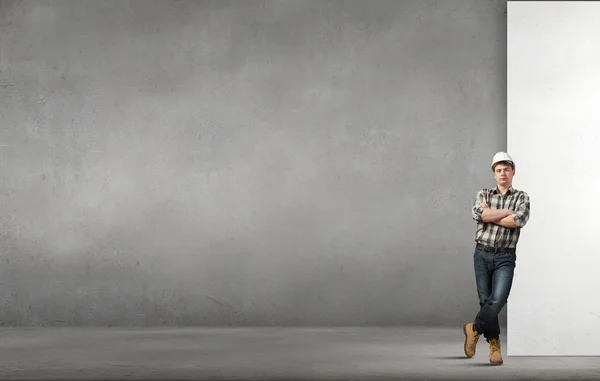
(503, 189)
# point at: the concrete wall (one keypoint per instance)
(245, 163)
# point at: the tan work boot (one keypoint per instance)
(495, 352)
(471, 338)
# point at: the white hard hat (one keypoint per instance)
(502, 156)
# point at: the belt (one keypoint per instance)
(498, 250)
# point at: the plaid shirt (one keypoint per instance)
(491, 234)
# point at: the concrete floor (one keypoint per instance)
(264, 353)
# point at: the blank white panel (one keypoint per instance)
(554, 137)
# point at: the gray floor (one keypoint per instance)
(264, 353)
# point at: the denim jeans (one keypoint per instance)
(494, 276)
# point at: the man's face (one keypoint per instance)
(503, 173)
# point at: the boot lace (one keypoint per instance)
(494, 346)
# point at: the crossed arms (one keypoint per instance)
(504, 217)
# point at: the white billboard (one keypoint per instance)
(553, 51)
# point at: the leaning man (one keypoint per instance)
(500, 213)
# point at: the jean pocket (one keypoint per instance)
(508, 257)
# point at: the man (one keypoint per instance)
(500, 214)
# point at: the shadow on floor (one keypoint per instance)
(481, 364)
(451, 358)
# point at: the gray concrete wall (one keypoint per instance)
(245, 163)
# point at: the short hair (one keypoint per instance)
(505, 162)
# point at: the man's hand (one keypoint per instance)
(494, 215)
(507, 222)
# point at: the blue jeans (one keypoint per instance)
(494, 276)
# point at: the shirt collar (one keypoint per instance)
(508, 191)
